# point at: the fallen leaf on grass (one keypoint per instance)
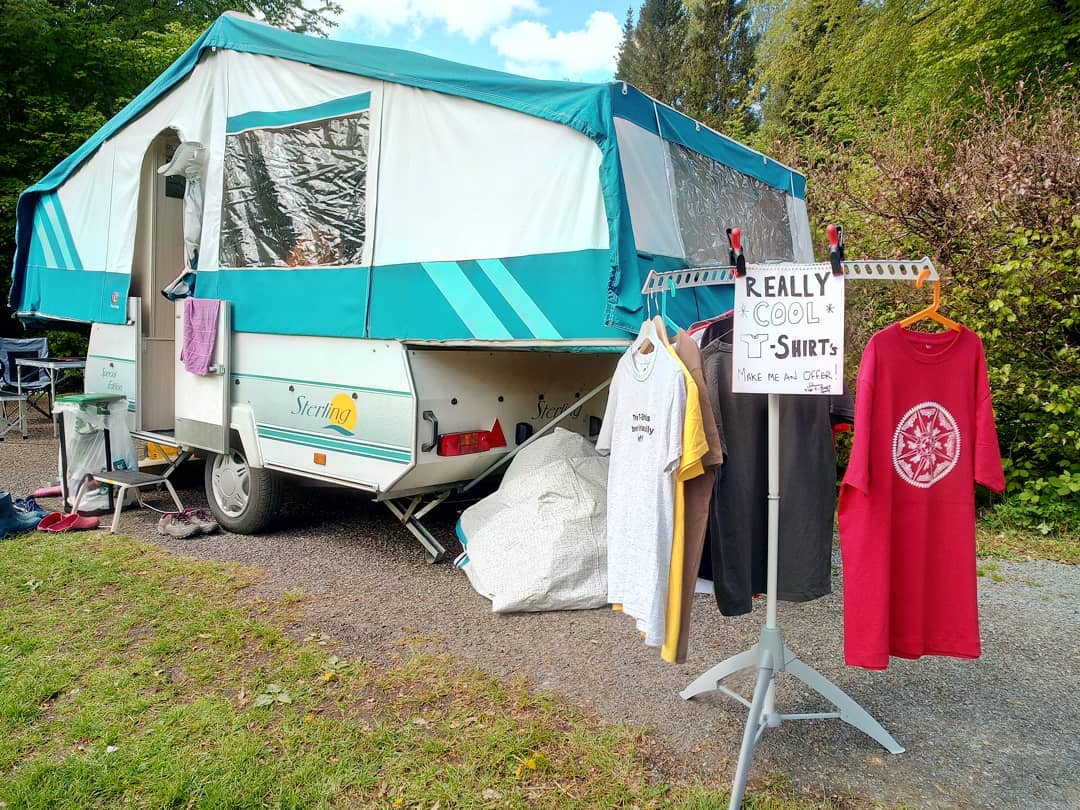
(491, 795)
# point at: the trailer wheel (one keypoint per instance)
(243, 499)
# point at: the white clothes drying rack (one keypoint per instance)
(770, 654)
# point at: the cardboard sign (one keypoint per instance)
(788, 332)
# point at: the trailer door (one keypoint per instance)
(203, 402)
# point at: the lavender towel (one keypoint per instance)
(200, 333)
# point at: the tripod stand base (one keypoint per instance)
(770, 655)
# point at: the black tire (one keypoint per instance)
(244, 507)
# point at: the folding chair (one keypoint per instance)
(17, 403)
(35, 381)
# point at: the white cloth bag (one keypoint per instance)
(539, 542)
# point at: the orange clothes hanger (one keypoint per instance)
(931, 311)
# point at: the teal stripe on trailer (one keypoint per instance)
(344, 439)
(427, 312)
(355, 449)
(499, 305)
(46, 240)
(466, 301)
(516, 296)
(569, 289)
(361, 448)
(51, 205)
(335, 386)
(335, 108)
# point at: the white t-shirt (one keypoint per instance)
(643, 431)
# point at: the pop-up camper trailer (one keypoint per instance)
(419, 262)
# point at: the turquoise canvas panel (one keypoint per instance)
(546, 297)
(80, 295)
(56, 284)
(320, 301)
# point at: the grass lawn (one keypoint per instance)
(997, 540)
(130, 677)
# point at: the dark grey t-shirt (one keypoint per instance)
(738, 518)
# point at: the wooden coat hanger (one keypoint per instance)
(931, 311)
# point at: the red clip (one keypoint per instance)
(735, 255)
(836, 248)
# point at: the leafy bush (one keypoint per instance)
(992, 198)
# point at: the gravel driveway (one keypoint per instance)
(998, 732)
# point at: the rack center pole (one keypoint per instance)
(774, 510)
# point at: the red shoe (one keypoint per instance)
(49, 522)
(75, 523)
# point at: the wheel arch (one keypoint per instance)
(245, 432)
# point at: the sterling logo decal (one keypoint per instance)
(339, 413)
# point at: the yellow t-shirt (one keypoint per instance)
(694, 448)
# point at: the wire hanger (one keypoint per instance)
(931, 311)
(662, 321)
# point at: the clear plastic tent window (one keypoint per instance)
(704, 187)
(295, 196)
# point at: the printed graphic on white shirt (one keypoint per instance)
(926, 445)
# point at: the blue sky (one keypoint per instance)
(550, 39)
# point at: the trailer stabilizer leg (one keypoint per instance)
(410, 519)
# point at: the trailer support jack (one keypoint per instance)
(410, 517)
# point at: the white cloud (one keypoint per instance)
(530, 48)
(471, 18)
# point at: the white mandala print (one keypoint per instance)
(926, 445)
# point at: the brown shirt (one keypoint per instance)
(697, 492)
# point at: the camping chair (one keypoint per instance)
(35, 381)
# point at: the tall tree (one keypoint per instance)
(801, 42)
(824, 62)
(652, 56)
(721, 66)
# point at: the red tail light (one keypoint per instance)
(471, 441)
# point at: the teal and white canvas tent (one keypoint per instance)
(355, 191)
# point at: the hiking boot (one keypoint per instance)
(177, 524)
(14, 521)
(203, 520)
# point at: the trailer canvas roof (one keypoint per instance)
(442, 201)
